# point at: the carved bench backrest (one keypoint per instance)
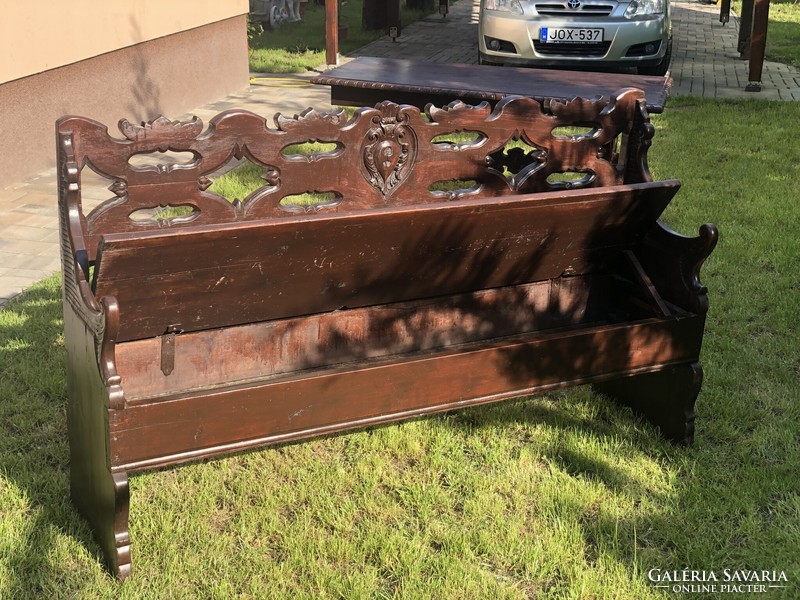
(389, 155)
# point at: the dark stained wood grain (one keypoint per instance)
(219, 276)
(371, 392)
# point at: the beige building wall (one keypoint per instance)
(38, 36)
(109, 59)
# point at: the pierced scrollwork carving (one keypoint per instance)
(641, 144)
(384, 154)
(391, 148)
(517, 164)
(271, 175)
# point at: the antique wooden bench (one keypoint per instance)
(435, 273)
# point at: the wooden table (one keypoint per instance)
(367, 80)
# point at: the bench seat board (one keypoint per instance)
(216, 276)
(328, 400)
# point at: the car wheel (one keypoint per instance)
(662, 67)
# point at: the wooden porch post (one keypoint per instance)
(332, 32)
(758, 45)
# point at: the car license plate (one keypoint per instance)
(562, 35)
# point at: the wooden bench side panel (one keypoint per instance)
(204, 278)
(387, 155)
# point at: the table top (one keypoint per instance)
(483, 82)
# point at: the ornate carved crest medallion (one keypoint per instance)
(391, 148)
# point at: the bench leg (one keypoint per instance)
(102, 498)
(665, 398)
(100, 495)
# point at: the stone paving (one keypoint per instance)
(705, 63)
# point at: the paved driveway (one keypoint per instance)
(705, 60)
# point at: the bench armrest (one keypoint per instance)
(99, 317)
(673, 262)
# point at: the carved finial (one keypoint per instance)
(579, 109)
(390, 113)
(161, 131)
(308, 116)
(203, 183)
(272, 176)
(457, 109)
(120, 188)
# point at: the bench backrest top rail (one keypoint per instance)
(206, 277)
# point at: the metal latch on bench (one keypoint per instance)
(168, 348)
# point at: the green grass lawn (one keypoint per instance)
(298, 47)
(559, 496)
(783, 32)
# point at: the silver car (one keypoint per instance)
(577, 33)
